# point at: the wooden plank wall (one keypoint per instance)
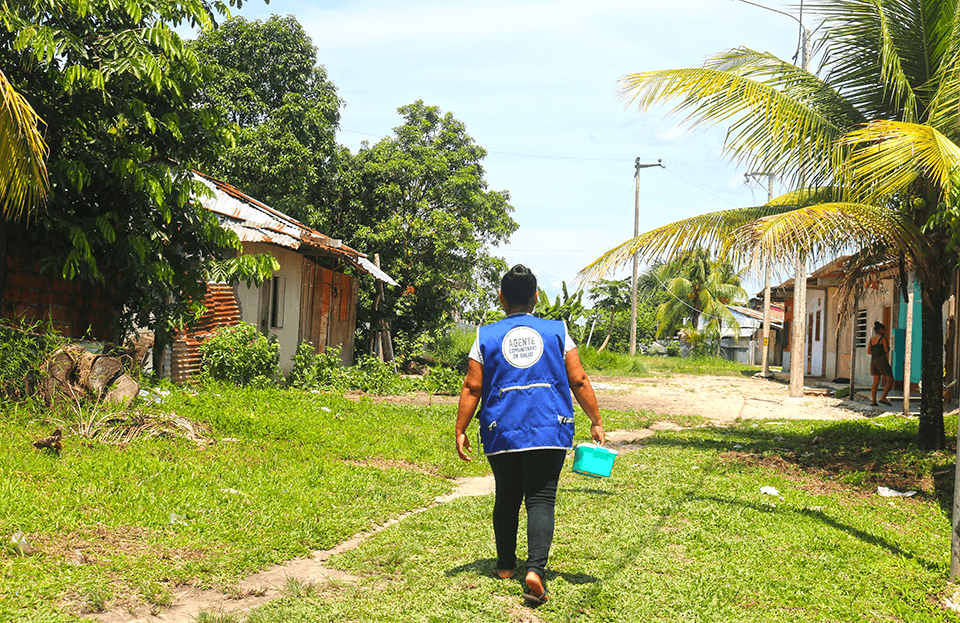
(328, 309)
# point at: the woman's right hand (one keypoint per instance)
(463, 447)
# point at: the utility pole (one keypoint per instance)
(765, 356)
(636, 232)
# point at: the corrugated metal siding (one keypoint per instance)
(222, 311)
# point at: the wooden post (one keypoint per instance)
(908, 345)
(853, 349)
(799, 328)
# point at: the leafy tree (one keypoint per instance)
(23, 172)
(420, 200)
(115, 85)
(610, 297)
(874, 140)
(264, 76)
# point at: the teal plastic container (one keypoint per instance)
(592, 460)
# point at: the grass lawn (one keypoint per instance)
(617, 364)
(681, 532)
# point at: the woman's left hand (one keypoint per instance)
(598, 434)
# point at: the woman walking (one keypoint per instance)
(879, 366)
(523, 369)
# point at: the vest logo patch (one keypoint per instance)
(522, 347)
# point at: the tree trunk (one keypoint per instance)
(609, 333)
(931, 432)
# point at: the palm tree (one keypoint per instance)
(698, 287)
(872, 144)
(23, 174)
(610, 296)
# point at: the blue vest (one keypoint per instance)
(526, 394)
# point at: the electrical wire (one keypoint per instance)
(699, 311)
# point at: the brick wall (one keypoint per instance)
(74, 310)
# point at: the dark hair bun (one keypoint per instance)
(519, 285)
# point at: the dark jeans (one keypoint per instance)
(531, 477)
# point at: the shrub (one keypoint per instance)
(316, 370)
(444, 381)
(240, 355)
(451, 347)
(23, 351)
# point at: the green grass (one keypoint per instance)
(680, 533)
(615, 364)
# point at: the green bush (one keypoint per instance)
(22, 353)
(444, 381)
(313, 370)
(451, 347)
(240, 355)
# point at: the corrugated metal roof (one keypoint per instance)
(776, 314)
(254, 221)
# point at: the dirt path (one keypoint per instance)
(720, 399)
(260, 588)
(724, 399)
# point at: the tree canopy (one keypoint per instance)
(116, 87)
(265, 78)
(419, 198)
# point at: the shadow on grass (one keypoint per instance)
(819, 515)
(859, 454)
(587, 491)
(484, 567)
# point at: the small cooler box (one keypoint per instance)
(592, 460)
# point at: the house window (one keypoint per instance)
(861, 328)
(276, 302)
(817, 332)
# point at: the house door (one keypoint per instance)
(815, 334)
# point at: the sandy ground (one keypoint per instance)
(722, 400)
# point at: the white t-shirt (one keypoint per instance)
(476, 355)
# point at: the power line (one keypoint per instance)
(506, 153)
(672, 172)
(542, 157)
(667, 290)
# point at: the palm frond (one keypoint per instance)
(782, 118)
(23, 173)
(866, 265)
(709, 231)
(887, 156)
(826, 229)
(885, 56)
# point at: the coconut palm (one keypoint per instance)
(698, 287)
(23, 174)
(610, 296)
(876, 130)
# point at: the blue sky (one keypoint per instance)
(535, 83)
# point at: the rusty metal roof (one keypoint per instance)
(254, 221)
(776, 314)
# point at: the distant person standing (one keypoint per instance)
(879, 365)
(523, 368)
